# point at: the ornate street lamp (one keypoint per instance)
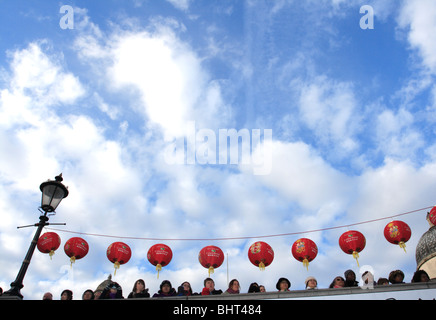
(53, 191)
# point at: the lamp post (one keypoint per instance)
(53, 191)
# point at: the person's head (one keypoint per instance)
(382, 281)
(254, 287)
(396, 276)
(338, 282)
(47, 296)
(234, 285)
(420, 276)
(349, 275)
(311, 283)
(283, 284)
(209, 283)
(88, 295)
(186, 286)
(262, 288)
(165, 286)
(67, 295)
(139, 286)
(114, 288)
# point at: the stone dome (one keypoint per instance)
(426, 247)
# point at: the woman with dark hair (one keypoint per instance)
(420, 276)
(185, 290)
(88, 295)
(254, 287)
(139, 290)
(338, 282)
(234, 287)
(67, 295)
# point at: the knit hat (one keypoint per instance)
(310, 278)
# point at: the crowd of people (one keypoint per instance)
(114, 291)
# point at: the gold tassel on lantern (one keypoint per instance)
(355, 256)
(116, 266)
(306, 263)
(211, 270)
(402, 244)
(262, 266)
(72, 260)
(51, 253)
(158, 268)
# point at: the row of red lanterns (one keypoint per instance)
(260, 253)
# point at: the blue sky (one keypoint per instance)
(109, 103)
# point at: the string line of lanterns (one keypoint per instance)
(211, 257)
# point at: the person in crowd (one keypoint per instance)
(420, 276)
(396, 277)
(209, 288)
(338, 282)
(262, 288)
(233, 288)
(88, 295)
(283, 285)
(47, 296)
(166, 290)
(382, 281)
(185, 290)
(350, 279)
(254, 287)
(139, 290)
(67, 295)
(112, 291)
(311, 283)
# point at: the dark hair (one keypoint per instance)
(254, 287)
(417, 275)
(232, 282)
(208, 279)
(333, 282)
(139, 280)
(166, 282)
(69, 294)
(92, 294)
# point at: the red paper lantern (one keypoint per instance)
(398, 232)
(118, 253)
(76, 248)
(261, 254)
(211, 257)
(159, 255)
(352, 242)
(432, 215)
(304, 250)
(49, 242)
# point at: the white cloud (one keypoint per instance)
(38, 75)
(330, 110)
(419, 19)
(180, 4)
(397, 136)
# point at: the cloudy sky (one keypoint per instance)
(129, 99)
